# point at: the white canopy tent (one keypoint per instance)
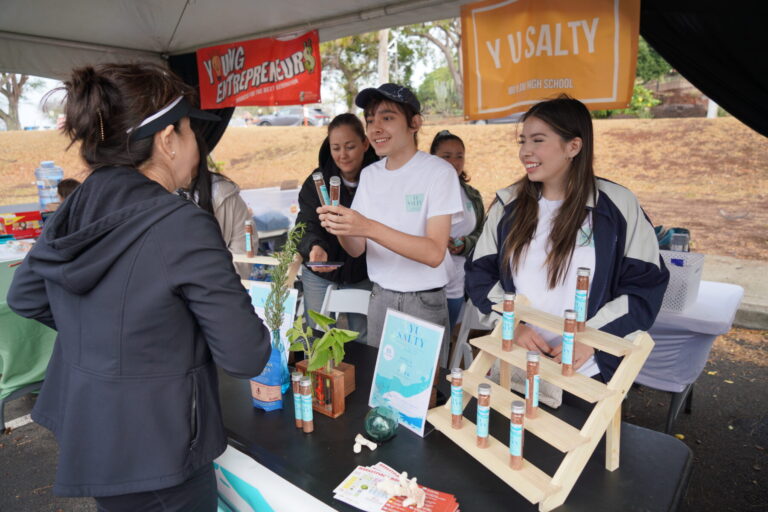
(50, 37)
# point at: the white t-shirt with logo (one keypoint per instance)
(403, 199)
(531, 278)
(455, 288)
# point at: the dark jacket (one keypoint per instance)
(629, 279)
(477, 203)
(354, 270)
(141, 289)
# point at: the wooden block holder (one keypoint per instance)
(578, 445)
(332, 403)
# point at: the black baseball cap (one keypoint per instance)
(175, 110)
(392, 92)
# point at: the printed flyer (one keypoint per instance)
(405, 367)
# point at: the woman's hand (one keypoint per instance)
(456, 248)
(339, 220)
(581, 354)
(527, 337)
(318, 254)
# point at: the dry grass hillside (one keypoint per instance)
(708, 175)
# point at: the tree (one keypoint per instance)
(12, 87)
(446, 36)
(650, 65)
(437, 92)
(354, 58)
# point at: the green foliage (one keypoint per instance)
(650, 65)
(274, 306)
(437, 92)
(319, 352)
(354, 58)
(639, 106)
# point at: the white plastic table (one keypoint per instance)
(683, 341)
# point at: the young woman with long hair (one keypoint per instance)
(559, 217)
(344, 153)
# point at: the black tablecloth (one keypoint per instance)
(653, 472)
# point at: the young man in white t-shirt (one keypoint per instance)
(401, 215)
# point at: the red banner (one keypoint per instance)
(263, 72)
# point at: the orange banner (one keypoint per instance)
(264, 72)
(518, 52)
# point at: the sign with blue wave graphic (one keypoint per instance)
(405, 367)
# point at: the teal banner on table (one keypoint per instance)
(405, 367)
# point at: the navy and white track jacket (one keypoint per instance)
(629, 280)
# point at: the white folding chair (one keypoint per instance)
(348, 300)
(470, 319)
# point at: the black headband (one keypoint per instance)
(177, 109)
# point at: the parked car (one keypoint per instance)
(513, 118)
(294, 116)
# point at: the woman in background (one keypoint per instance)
(344, 153)
(220, 196)
(464, 234)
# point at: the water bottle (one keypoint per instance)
(48, 176)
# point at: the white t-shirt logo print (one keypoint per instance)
(413, 202)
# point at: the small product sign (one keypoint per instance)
(261, 72)
(518, 52)
(405, 367)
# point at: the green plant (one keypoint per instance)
(639, 106)
(274, 306)
(323, 351)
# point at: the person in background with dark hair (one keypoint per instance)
(464, 234)
(401, 216)
(559, 217)
(66, 187)
(220, 196)
(344, 153)
(141, 289)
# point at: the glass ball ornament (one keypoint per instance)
(381, 423)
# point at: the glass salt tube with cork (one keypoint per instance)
(457, 397)
(508, 323)
(580, 304)
(532, 384)
(335, 190)
(483, 414)
(322, 190)
(569, 331)
(516, 425)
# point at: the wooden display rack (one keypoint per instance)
(577, 445)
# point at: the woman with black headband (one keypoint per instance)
(141, 289)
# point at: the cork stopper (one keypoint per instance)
(296, 377)
(457, 373)
(335, 181)
(570, 314)
(518, 407)
(532, 356)
(484, 389)
(317, 176)
(583, 271)
(509, 296)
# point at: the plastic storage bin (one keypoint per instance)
(48, 176)
(684, 278)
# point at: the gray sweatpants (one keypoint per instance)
(430, 306)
